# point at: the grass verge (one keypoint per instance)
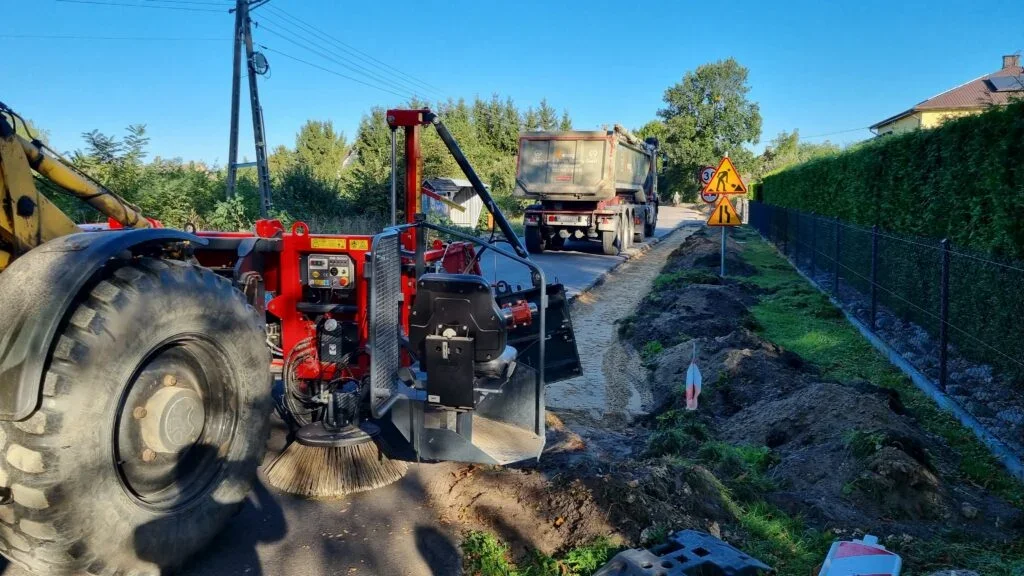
(799, 318)
(483, 554)
(796, 316)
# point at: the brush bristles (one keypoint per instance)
(316, 472)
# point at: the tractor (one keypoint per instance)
(138, 363)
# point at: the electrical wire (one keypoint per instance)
(314, 50)
(126, 5)
(329, 71)
(128, 38)
(802, 137)
(344, 60)
(355, 51)
(196, 2)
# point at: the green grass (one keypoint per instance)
(798, 317)
(783, 542)
(483, 554)
(681, 278)
(651, 349)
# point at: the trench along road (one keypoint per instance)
(395, 530)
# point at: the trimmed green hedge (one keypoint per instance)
(963, 181)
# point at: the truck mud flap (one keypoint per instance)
(562, 359)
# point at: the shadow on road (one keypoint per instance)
(259, 520)
(437, 550)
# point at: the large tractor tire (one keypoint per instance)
(154, 416)
(534, 240)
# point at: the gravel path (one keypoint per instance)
(614, 381)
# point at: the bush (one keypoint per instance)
(963, 181)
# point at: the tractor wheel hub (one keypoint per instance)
(174, 419)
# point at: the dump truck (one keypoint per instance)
(137, 362)
(597, 185)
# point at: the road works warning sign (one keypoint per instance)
(724, 214)
(725, 181)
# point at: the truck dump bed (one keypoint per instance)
(582, 165)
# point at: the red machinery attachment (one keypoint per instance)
(402, 331)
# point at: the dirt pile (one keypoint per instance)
(839, 454)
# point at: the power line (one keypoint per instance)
(329, 71)
(124, 4)
(354, 67)
(128, 38)
(390, 87)
(351, 49)
(802, 137)
(197, 2)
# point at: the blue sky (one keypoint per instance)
(820, 67)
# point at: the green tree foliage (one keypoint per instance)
(706, 116)
(960, 181)
(565, 124)
(322, 179)
(546, 116)
(787, 150)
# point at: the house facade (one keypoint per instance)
(973, 97)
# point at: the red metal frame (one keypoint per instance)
(280, 268)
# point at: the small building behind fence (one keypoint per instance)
(456, 190)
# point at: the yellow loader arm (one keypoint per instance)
(27, 217)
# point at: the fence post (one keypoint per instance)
(874, 274)
(835, 275)
(796, 242)
(944, 316)
(814, 244)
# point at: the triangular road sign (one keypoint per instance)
(726, 180)
(724, 214)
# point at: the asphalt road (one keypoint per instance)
(391, 531)
(580, 264)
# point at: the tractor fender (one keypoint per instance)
(36, 292)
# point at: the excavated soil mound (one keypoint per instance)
(843, 454)
(704, 250)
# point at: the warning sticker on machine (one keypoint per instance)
(355, 244)
(329, 243)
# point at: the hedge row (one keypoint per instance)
(963, 181)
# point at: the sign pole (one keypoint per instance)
(722, 274)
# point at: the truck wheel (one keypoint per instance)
(154, 415)
(556, 243)
(650, 226)
(638, 237)
(626, 233)
(534, 240)
(611, 240)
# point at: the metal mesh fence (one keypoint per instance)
(930, 301)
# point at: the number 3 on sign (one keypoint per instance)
(724, 214)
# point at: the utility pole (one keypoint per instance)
(241, 15)
(244, 34)
(262, 169)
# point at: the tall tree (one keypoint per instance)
(546, 116)
(706, 116)
(787, 150)
(566, 123)
(320, 149)
(531, 121)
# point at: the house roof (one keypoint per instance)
(977, 93)
(449, 185)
